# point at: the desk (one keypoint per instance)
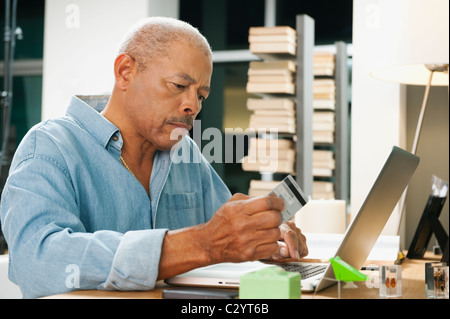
(413, 275)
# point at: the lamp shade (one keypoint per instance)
(414, 33)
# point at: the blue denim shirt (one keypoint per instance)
(75, 218)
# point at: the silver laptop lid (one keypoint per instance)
(368, 224)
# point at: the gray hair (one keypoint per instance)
(151, 38)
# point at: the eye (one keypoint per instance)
(201, 98)
(179, 86)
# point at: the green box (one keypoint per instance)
(270, 283)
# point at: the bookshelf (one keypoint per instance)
(341, 149)
(317, 133)
(330, 121)
(304, 103)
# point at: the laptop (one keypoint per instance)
(354, 249)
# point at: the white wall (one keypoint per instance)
(386, 114)
(433, 150)
(378, 107)
(80, 41)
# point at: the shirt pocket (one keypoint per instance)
(180, 210)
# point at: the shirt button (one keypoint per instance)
(115, 138)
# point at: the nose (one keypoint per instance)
(191, 105)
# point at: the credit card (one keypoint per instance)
(293, 197)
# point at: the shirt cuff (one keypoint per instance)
(136, 262)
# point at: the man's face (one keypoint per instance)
(163, 101)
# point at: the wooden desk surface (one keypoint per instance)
(413, 276)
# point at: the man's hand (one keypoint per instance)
(292, 243)
(245, 229)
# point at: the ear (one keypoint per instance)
(124, 67)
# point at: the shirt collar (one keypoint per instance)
(91, 120)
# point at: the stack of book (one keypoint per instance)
(280, 39)
(324, 94)
(271, 77)
(323, 64)
(270, 156)
(323, 190)
(272, 115)
(323, 163)
(323, 127)
(324, 123)
(258, 188)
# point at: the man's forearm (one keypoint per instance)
(242, 229)
(183, 250)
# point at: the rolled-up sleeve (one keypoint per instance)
(136, 261)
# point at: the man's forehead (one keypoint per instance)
(186, 77)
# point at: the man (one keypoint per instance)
(93, 200)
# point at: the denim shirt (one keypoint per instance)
(75, 218)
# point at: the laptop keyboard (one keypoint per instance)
(305, 270)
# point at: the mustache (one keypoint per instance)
(188, 120)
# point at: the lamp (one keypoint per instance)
(417, 49)
(418, 46)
